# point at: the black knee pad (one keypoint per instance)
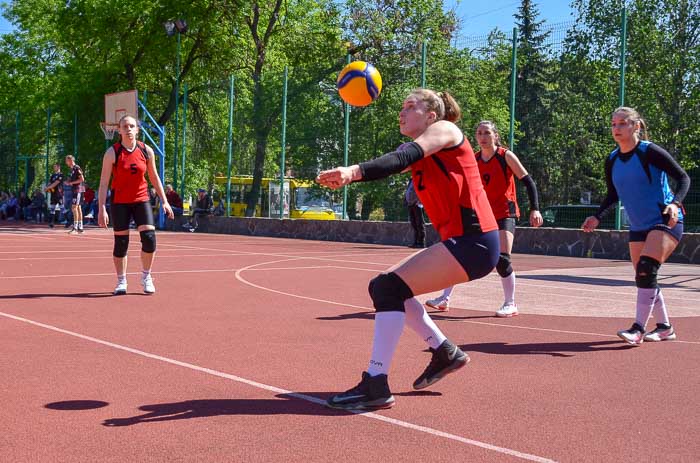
(388, 292)
(647, 270)
(121, 245)
(503, 266)
(148, 241)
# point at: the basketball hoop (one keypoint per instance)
(109, 130)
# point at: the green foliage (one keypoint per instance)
(65, 56)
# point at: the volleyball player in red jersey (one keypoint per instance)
(127, 162)
(446, 178)
(498, 167)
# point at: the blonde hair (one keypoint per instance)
(442, 103)
(492, 126)
(631, 114)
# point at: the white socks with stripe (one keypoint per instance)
(419, 321)
(508, 284)
(646, 298)
(387, 332)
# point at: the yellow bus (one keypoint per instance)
(299, 202)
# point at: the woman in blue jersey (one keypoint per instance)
(636, 173)
(446, 178)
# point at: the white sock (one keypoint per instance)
(419, 321)
(660, 311)
(447, 292)
(508, 284)
(645, 303)
(80, 224)
(387, 331)
(121, 278)
(145, 273)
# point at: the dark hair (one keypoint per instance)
(632, 114)
(492, 126)
(442, 103)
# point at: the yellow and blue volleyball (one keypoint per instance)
(359, 83)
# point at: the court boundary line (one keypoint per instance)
(277, 390)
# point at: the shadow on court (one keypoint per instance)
(188, 409)
(613, 282)
(350, 316)
(554, 349)
(49, 295)
(73, 405)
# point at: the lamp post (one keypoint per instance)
(178, 26)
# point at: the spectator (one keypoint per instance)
(23, 204)
(55, 190)
(36, 209)
(203, 206)
(4, 198)
(415, 215)
(89, 204)
(174, 199)
(11, 207)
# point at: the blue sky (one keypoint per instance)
(478, 18)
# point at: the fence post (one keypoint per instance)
(284, 141)
(513, 76)
(48, 144)
(230, 145)
(424, 54)
(621, 100)
(184, 143)
(346, 143)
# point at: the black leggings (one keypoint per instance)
(123, 213)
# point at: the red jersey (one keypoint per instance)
(499, 183)
(449, 186)
(129, 174)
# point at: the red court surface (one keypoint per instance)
(245, 338)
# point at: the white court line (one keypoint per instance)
(277, 390)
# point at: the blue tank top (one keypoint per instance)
(642, 188)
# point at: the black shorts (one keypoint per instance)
(676, 232)
(77, 198)
(123, 213)
(477, 253)
(507, 224)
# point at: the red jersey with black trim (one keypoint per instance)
(129, 174)
(499, 183)
(449, 186)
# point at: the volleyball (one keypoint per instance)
(359, 83)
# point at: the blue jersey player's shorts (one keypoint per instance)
(676, 232)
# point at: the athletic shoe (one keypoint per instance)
(72, 230)
(372, 393)
(507, 310)
(147, 283)
(662, 332)
(446, 359)
(121, 288)
(80, 230)
(440, 303)
(634, 335)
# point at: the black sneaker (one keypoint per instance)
(372, 393)
(446, 359)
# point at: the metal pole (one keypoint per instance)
(75, 134)
(177, 110)
(513, 76)
(184, 143)
(284, 141)
(423, 65)
(621, 100)
(229, 140)
(48, 142)
(346, 144)
(16, 179)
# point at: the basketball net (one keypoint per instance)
(109, 130)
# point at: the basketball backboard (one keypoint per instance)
(119, 104)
